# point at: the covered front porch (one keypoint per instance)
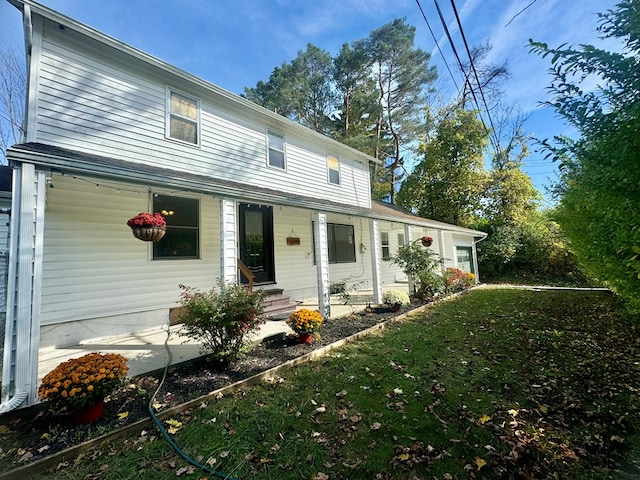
(146, 350)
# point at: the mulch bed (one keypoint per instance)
(36, 432)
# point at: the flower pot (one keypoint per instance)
(148, 234)
(306, 337)
(89, 414)
(427, 243)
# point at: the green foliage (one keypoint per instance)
(599, 189)
(220, 319)
(420, 264)
(447, 183)
(535, 251)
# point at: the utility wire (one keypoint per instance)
(475, 74)
(455, 52)
(435, 40)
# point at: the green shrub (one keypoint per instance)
(221, 318)
(392, 297)
(421, 264)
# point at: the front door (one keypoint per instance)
(256, 241)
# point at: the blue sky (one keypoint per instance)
(236, 43)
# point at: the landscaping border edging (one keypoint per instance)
(44, 464)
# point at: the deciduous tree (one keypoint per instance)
(599, 190)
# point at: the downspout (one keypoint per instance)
(28, 45)
(12, 400)
(475, 257)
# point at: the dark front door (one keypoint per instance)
(256, 241)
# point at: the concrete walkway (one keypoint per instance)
(146, 351)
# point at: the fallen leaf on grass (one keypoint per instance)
(479, 462)
(484, 419)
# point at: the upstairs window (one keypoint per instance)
(276, 153)
(182, 237)
(183, 118)
(333, 164)
(384, 242)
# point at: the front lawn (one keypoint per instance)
(498, 383)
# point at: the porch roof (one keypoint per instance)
(63, 160)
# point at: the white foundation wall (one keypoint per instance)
(96, 272)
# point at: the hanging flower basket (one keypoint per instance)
(148, 227)
(426, 241)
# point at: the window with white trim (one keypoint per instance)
(182, 237)
(183, 118)
(333, 165)
(400, 240)
(341, 243)
(384, 243)
(276, 150)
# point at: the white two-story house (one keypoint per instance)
(111, 131)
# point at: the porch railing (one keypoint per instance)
(246, 273)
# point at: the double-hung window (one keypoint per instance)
(333, 165)
(384, 243)
(183, 118)
(400, 240)
(276, 150)
(182, 237)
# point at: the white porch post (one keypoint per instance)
(374, 235)
(443, 268)
(410, 279)
(24, 288)
(322, 262)
(228, 241)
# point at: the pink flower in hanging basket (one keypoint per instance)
(426, 241)
(144, 219)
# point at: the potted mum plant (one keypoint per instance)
(148, 227)
(306, 324)
(80, 385)
(396, 299)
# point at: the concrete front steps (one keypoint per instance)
(277, 306)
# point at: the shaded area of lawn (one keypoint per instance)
(495, 384)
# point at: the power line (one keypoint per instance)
(475, 74)
(435, 40)
(455, 51)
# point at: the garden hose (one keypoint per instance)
(164, 432)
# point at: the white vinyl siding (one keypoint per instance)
(94, 266)
(93, 100)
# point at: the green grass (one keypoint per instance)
(497, 383)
